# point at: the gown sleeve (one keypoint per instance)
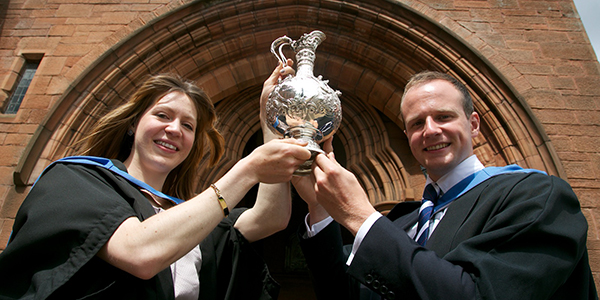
(68, 215)
(232, 268)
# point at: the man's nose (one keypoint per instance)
(431, 127)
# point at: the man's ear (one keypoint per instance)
(475, 122)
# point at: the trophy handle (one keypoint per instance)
(277, 45)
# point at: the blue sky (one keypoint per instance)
(589, 11)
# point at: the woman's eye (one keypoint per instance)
(162, 115)
(189, 126)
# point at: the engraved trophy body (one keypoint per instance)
(303, 106)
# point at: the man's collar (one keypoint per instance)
(467, 167)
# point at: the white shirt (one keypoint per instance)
(467, 167)
(185, 270)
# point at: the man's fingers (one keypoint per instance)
(322, 161)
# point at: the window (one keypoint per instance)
(27, 75)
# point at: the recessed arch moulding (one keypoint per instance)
(370, 52)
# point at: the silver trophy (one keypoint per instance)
(303, 106)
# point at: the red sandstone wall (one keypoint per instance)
(539, 46)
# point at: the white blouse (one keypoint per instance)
(186, 270)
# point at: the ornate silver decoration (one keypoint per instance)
(303, 106)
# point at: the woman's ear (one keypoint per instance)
(132, 127)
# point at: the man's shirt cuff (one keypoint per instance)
(362, 232)
(317, 227)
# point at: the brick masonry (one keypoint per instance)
(538, 48)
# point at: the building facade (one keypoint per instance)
(529, 65)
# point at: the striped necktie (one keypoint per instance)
(429, 199)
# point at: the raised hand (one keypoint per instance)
(280, 72)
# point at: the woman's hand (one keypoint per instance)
(273, 164)
(277, 160)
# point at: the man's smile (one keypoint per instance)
(437, 147)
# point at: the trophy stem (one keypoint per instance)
(307, 134)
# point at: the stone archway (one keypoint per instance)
(370, 51)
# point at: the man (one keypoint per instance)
(492, 233)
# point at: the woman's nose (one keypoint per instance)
(174, 128)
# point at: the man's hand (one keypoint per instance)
(340, 193)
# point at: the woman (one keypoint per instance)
(95, 231)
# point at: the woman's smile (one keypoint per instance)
(166, 145)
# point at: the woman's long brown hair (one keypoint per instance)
(109, 137)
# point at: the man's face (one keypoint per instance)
(439, 133)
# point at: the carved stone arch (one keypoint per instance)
(369, 154)
(372, 48)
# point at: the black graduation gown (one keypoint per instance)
(69, 215)
(514, 236)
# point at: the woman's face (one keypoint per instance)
(164, 135)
